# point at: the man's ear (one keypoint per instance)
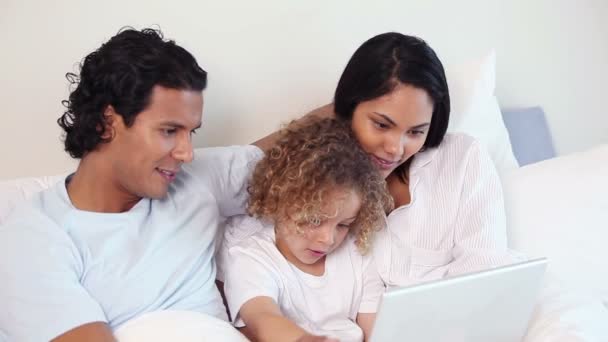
(108, 131)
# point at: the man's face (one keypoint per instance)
(146, 157)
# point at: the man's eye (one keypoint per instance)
(169, 131)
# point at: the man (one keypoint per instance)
(133, 229)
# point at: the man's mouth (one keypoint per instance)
(168, 175)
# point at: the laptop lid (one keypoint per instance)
(490, 305)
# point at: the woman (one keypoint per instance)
(449, 214)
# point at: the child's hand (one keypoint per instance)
(313, 338)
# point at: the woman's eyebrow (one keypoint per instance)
(422, 125)
(386, 117)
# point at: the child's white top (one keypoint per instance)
(324, 305)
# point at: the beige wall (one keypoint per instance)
(270, 60)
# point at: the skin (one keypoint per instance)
(391, 129)
(307, 251)
(138, 162)
(262, 315)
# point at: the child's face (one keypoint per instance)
(315, 242)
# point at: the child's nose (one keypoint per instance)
(326, 235)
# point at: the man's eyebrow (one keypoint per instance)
(175, 124)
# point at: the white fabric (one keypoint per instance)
(535, 226)
(559, 208)
(174, 325)
(475, 109)
(63, 267)
(325, 305)
(455, 222)
(16, 191)
(563, 313)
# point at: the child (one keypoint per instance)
(316, 198)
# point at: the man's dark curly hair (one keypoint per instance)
(122, 73)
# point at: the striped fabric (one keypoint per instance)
(455, 222)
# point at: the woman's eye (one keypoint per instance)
(416, 132)
(380, 125)
(193, 132)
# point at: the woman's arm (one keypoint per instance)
(266, 323)
(268, 141)
(480, 239)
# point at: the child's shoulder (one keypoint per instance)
(249, 235)
(239, 229)
(348, 252)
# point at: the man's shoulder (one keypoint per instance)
(210, 161)
(35, 218)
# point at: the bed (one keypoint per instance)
(556, 207)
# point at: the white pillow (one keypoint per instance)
(475, 109)
(174, 325)
(559, 208)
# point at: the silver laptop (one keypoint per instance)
(493, 305)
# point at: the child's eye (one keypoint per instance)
(192, 132)
(344, 226)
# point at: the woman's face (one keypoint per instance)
(393, 127)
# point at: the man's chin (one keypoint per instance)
(157, 195)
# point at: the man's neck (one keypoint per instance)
(92, 188)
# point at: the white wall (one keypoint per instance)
(271, 60)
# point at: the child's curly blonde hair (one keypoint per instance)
(308, 163)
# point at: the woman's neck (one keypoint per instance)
(399, 190)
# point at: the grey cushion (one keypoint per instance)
(529, 134)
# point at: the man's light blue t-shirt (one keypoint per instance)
(61, 267)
